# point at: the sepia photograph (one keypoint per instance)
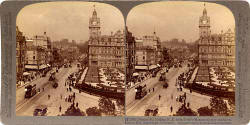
(181, 60)
(125, 62)
(70, 60)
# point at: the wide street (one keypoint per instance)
(25, 107)
(138, 107)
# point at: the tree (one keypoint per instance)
(205, 111)
(93, 111)
(183, 42)
(83, 47)
(73, 111)
(184, 111)
(193, 47)
(106, 106)
(57, 58)
(166, 55)
(218, 106)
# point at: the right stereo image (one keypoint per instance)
(180, 60)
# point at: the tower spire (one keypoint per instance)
(154, 30)
(204, 10)
(94, 12)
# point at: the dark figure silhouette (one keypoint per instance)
(60, 109)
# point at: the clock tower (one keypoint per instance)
(94, 25)
(204, 24)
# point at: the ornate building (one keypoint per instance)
(130, 55)
(39, 53)
(148, 52)
(105, 50)
(215, 49)
(20, 54)
(145, 55)
(153, 41)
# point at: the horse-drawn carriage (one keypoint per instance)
(151, 110)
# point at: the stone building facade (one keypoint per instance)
(105, 50)
(145, 56)
(130, 55)
(215, 49)
(20, 54)
(148, 50)
(153, 41)
(39, 53)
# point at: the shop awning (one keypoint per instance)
(48, 65)
(26, 73)
(141, 67)
(158, 65)
(135, 74)
(43, 66)
(152, 67)
(31, 67)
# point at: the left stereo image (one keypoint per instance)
(70, 60)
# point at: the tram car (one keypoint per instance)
(30, 91)
(141, 91)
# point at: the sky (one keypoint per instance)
(177, 19)
(169, 19)
(67, 19)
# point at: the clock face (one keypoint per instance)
(204, 21)
(94, 23)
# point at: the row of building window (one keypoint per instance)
(219, 63)
(106, 51)
(105, 56)
(113, 64)
(217, 49)
(211, 56)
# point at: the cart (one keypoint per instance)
(151, 110)
(40, 110)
